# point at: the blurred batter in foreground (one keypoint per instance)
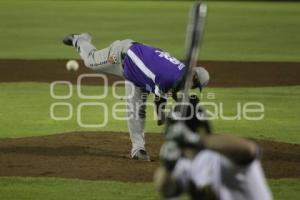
(210, 167)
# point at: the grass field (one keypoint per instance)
(29, 109)
(27, 114)
(251, 31)
(53, 188)
(238, 31)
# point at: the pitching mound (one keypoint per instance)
(106, 157)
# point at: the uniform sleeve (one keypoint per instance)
(182, 173)
(250, 180)
(205, 168)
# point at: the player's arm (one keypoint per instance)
(160, 104)
(174, 96)
(160, 101)
(240, 151)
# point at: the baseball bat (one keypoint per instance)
(194, 36)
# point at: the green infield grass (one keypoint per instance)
(237, 31)
(243, 31)
(25, 111)
(68, 189)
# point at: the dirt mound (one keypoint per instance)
(223, 74)
(105, 156)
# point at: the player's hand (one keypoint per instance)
(169, 154)
(160, 122)
(184, 137)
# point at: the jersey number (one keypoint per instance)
(168, 57)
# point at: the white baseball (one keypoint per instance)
(72, 65)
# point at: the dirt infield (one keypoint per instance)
(106, 157)
(223, 74)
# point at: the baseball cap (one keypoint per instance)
(202, 76)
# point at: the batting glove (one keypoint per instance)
(183, 136)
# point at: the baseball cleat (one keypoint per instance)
(72, 39)
(141, 155)
(68, 40)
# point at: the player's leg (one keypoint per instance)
(93, 57)
(136, 120)
(104, 60)
(108, 60)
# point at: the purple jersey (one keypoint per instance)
(152, 69)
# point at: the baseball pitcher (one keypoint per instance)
(146, 69)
